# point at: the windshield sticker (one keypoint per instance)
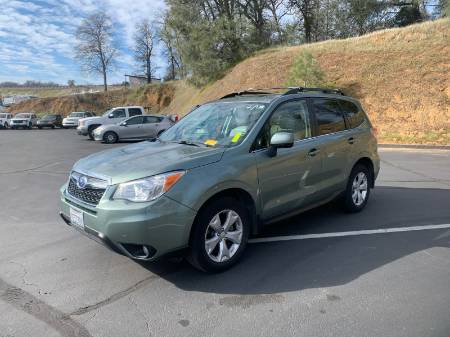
(211, 142)
(236, 137)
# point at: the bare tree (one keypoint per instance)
(95, 49)
(144, 38)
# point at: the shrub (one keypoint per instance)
(305, 72)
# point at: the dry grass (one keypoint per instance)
(155, 97)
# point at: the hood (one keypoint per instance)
(89, 119)
(146, 159)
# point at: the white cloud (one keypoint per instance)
(37, 38)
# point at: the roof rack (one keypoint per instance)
(297, 90)
(247, 92)
(290, 91)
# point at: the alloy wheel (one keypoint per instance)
(223, 236)
(359, 189)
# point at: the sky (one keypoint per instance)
(37, 38)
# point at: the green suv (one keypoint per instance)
(222, 172)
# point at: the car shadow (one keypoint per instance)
(269, 268)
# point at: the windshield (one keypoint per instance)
(49, 117)
(22, 115)
(216, 124)
(106, 114)
(77, 114)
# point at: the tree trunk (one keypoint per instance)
(149, 71)
(105, 84)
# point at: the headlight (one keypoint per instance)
(147, 189)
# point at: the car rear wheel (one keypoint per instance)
(358, 189)
(219, 235)
(110, 137)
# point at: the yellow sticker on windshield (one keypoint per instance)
(236, 137)
(211, 142)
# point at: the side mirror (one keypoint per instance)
(124, 123)
(111, 115)
(280, 140)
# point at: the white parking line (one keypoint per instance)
(350, 233)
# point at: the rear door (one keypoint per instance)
(288, 180)
(333, 143)
(151, 126)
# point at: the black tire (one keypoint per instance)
(198, 256)
(53, 126)
(91, 131)
(110, 137)
(350, 204)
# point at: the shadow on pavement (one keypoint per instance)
(268, 268)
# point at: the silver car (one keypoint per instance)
(133, 128)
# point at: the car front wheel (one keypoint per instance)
(358, 189)
(110, 137)
(219, 235)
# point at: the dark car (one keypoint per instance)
(50, 121)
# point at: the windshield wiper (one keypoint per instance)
(186, 142)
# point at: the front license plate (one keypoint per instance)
(76, 218)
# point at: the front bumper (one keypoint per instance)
(82, 130)
(162, 224)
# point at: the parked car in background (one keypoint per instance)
(224, 171)
(86, 126)
(25, 120)
(71, 121)
(133, 128)
(50, 121)
(5, 119)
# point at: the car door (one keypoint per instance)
(34, 119)
(150, 126)
(333, 145)
(287, 181)
(116, 116)
(132, 129)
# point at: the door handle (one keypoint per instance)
(351, 140)
(313, 152)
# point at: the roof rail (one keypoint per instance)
(247, 92)
(290, 91)
(297, 90)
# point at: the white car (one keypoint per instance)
(25, 120)
(71, 121)
(86, 126)
(5, 120)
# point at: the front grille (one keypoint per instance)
(88, 194)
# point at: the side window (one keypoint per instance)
(135, 120)
(328, 115)
(134, 112)
(291, 117)
(354, 115)
(151, 119)
(119, 113)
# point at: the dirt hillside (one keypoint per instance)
(402, 77)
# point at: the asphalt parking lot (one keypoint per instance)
(382, 272)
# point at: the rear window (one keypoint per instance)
(152, 119)
(353, 113)
(134, 112)
(328, 116)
